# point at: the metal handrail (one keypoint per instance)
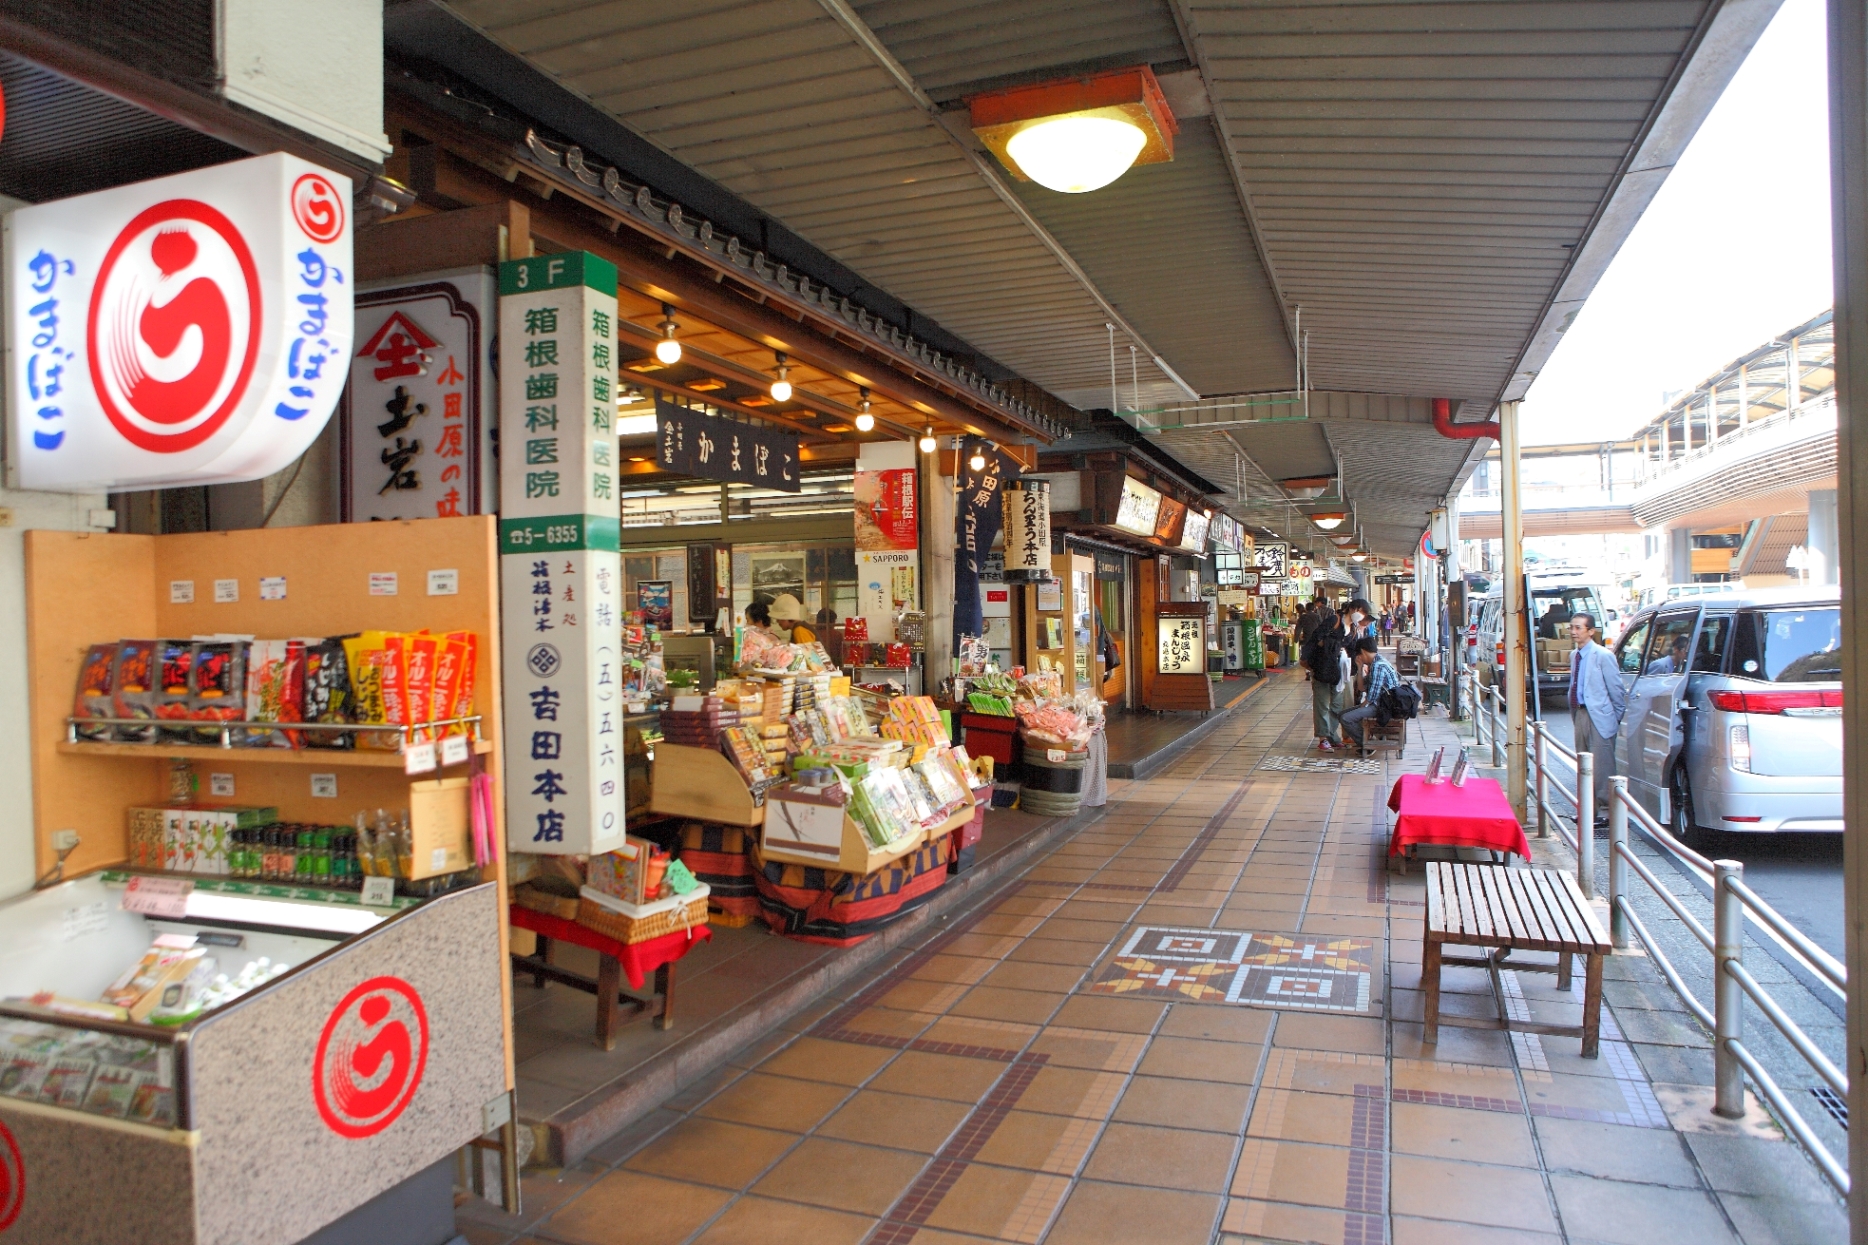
(1733, 903)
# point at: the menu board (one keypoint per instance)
(1193, 531)
(1139, 507)
(1167, 520)
(1182, 646)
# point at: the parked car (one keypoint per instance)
(1552, 596)
(1734, 717)
(1663, 593)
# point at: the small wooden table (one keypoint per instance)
(614, 960)
(1508, 910)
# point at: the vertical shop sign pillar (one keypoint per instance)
(560, 573)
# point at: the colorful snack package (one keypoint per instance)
(450, 663)
(133, 688)
(418, 678)
(326, 691)
(175, 660)
(217, 690)
(96, 699)
(369, 663)
(470, 665)
(396, 682)
(275, 681)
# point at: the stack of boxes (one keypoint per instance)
(190, 839)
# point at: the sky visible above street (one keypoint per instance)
(1733, 250)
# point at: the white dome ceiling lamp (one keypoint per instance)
(1329, 520)
(1075, 135)
(1306, 488)
(668, 349)
(865, 422)
(781, 388)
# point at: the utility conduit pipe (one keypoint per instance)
(1444, 425)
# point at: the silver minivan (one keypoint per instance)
(1734, 717)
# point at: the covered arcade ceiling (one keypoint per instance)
(1436, 186)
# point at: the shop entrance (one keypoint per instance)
(1111, 599)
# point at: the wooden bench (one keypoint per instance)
(1508, 910)
(1390, 738)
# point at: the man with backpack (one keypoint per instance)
(1381, 678)
(1329, 679)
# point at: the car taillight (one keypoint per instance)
(1775, 702)
(1738, 747)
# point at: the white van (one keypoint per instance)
(1552, 595)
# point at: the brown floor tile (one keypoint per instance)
(1359, 1035)
(1110, 1015)
(983, 946)
(1088, 1048)
(771, 1222)
(1014, 924)
(840, 1063)
(898, 1121)
(1162, 1158)
(712, 1152)
(1098, 932)
(1028, 905)
(1038, 1142)
(1073, 1091)
(842, 1176)
(965, 969)
(1290, 1171)
(658, 1212)
(1478, 1080)
(933, 997)
(774, 1102)
(1501, 1197)
(1209, 1105)
(1056, 951)
(997, 1203)
(1004, 1035)
(939, 1076)
(1016, 975)
(1271, 1221)
(1322, 1071)
(1456, 1133)
(1195, 1059)
(1468, 1046)
(884, 1021)
(992, 1003)
(1287, 1115)
(1108, 1214)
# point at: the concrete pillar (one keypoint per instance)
(937, 547)
(1679, 555)
(1822, 542)
(1517, 633)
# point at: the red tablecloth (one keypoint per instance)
(638, 959)
(1475, 815)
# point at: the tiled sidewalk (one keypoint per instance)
(1196, 1020)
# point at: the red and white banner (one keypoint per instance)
(194, 329)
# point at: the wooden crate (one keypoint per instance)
(699, 783)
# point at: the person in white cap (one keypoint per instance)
(788, 619)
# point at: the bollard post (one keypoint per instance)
(1586, 823)
(1543, 787)
(1728, 934)
(1618, 867)
(1497, 760)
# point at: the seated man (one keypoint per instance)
(1380, 676)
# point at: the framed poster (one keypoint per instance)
(1050, 594)
(1272, 559)
(656, 599)
(777, 574)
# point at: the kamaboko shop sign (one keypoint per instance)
(194, 329)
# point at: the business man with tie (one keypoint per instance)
(1597, 702)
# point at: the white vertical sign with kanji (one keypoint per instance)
(560, 573)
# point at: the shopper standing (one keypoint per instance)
(1597, 702)
(1329, 680)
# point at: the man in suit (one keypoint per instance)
(1597, 702)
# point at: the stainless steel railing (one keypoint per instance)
(1733, 904)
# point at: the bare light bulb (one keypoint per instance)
(781, 390)
(865, 422)
(928, 443)
(978, 461)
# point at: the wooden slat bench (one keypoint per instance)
(1377, 739)
(1508, 910)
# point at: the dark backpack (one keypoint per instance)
(1400, 702)
(1326, 651)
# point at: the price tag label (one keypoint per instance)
(418, 758)
(454, 750)
(226, 591)
(181, 592)
(324, 786)
(382, 583)
(1055, 754)
(272, 588)
(158, 897)
(221, 785)
(379, 892)
(444, 583)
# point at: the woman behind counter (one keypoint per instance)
(762, 647)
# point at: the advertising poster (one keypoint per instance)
(656, 599)
(887, 582)
(885, 509)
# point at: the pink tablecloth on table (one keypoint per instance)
(1475, 815)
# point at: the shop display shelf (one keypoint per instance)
(701, 784)
(226, 751)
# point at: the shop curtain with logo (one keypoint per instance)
(978, 516)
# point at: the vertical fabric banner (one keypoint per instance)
(976, 520)
(560, 573)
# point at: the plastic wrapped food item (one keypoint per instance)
(326, 695)
(96, 698)
(135, 689)
(217, 687)
(369, 662)
(275, 691)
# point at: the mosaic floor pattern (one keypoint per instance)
(1319, 765)
(1300, 972)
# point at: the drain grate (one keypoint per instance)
(1834, 1103)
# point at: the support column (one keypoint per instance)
(1823, 535)
(1679, 555)
(1517, 654)
(1848, 160)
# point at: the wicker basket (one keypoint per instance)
(537, 900)
(662, 917)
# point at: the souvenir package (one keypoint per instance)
(174, 660)
(454, 662)
(418, 680)
(111, 1091)
(24, 1073)
(275, 689)
(856, 630)
(217, 686)
(96, 678)
(326, 695)
(67, 1082)
(395, 667)
(134, 688)
(370, 664)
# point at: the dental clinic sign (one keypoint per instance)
(194, 329)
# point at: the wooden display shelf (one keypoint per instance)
(855, 855)
(702, 784)
(205, 753)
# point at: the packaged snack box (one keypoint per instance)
(96, 699)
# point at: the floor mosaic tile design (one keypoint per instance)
(1287, 971)
(1320, 765)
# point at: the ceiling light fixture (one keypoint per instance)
(1330, 521)
(978, 461)
(1306, 488)
(781, 388)
(1358, 556)
(865, 422)
(668, 350)
(928, 443)
(1077, 134)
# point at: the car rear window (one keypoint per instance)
(1552, 608)
(1789, 646)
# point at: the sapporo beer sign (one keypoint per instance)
(194, 329)
(370, 1057)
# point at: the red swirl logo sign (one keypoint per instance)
(370, 1057)
(317, 208)
(174, 326)
(12, 1179)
